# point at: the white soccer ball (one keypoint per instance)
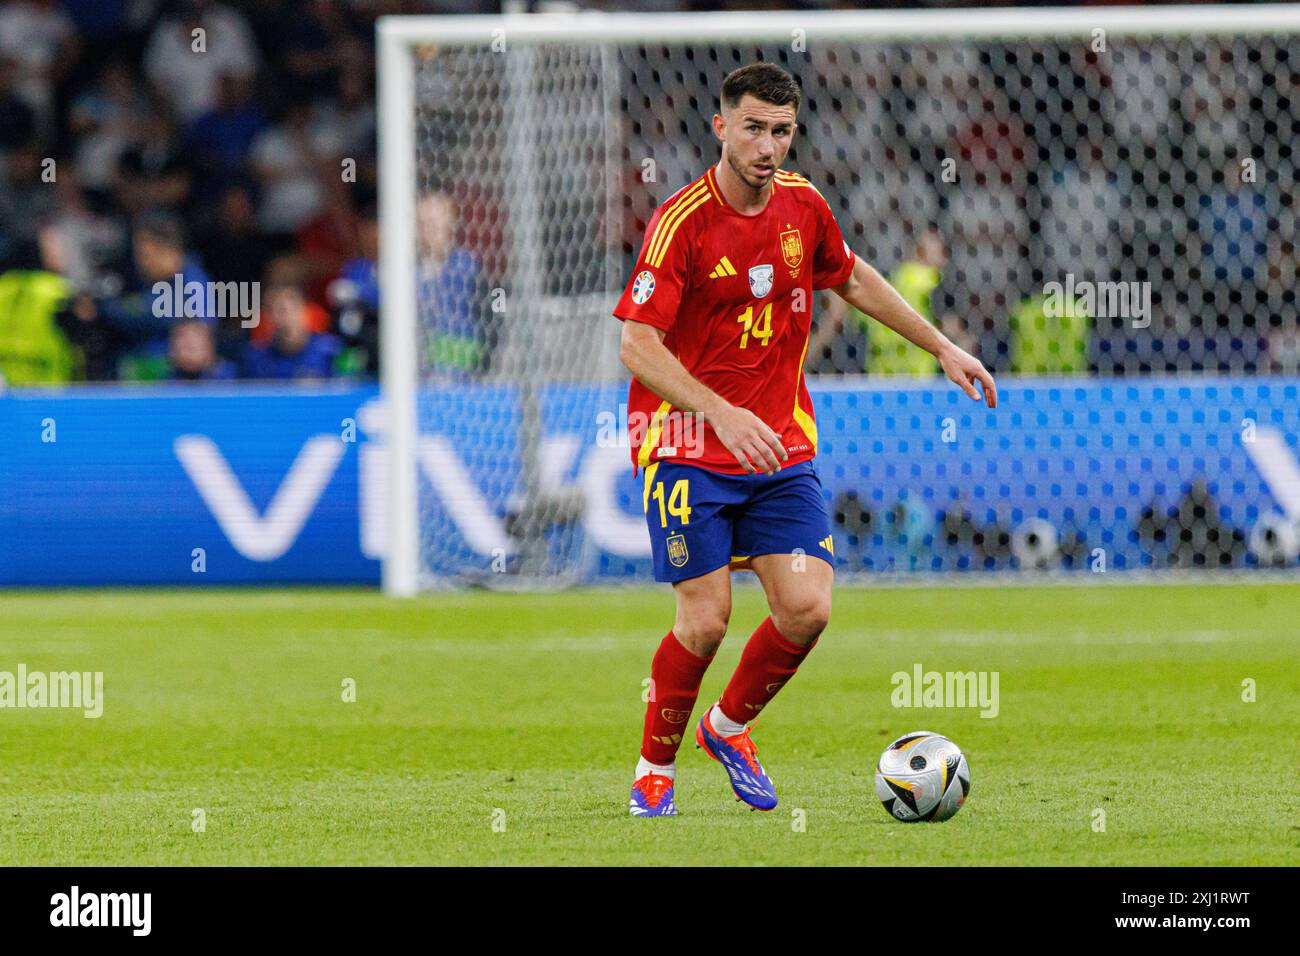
(922, 776)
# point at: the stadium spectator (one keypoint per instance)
(321, 38)
(44, 42)
(329, 239)
(1284, 330)
(915, 279)
(192, 354)
(288, 270)
(233, 248)
(1049, 335)
(33, 350)
(129, 332)
(348, 118)
(26, 199)
(219, 141)
(17, 119)
(105, 120)
(363, 271)
(354, 296)
(290, 160)
(448, 277)
(185, 68)
(886, 352)
(153, 172)
(294, 351)
(89, 241)
(1234, 221)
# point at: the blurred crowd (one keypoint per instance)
(188, 191)
(187, 144)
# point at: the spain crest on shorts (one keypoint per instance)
(791, 248)
(677, 553)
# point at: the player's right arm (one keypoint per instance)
(749, 439)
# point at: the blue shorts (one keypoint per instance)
(700, 520)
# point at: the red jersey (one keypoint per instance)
(734, 295)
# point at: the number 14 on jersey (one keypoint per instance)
(761, 330)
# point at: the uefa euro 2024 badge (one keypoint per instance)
(643, 287)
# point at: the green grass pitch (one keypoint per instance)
(502, 729)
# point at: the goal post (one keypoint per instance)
(397, 195)
(520, 155)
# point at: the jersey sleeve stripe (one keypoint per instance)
(670, 215)
(668, 239)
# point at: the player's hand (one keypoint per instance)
(753, 443)
(965, 369)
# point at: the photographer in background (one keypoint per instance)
(127, 333)
(354, 299)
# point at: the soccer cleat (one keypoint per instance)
(652, 796)
(739, 757)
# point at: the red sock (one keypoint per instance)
(766, 665)
(675, 677)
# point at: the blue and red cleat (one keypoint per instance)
(652, 796)
(739, 757)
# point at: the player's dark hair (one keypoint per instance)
(764, 81)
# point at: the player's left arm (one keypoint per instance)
(868, 292)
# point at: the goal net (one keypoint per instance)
(1098, 202)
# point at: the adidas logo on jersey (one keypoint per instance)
(723, 269)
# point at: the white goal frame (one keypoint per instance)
(399, 36)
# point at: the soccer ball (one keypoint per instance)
(922, 776)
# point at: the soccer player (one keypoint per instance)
(716, 322)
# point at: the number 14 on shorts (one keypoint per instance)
(676, 504)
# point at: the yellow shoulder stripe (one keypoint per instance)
(708, 177)
(793, 179)
(678, 218)
(669, 217)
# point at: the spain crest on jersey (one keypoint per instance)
(677, 554)
(792, 248)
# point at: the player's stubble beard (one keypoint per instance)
(758, 184)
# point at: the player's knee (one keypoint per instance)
(702, 628)
(802, 621)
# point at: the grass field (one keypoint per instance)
(524, 711)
